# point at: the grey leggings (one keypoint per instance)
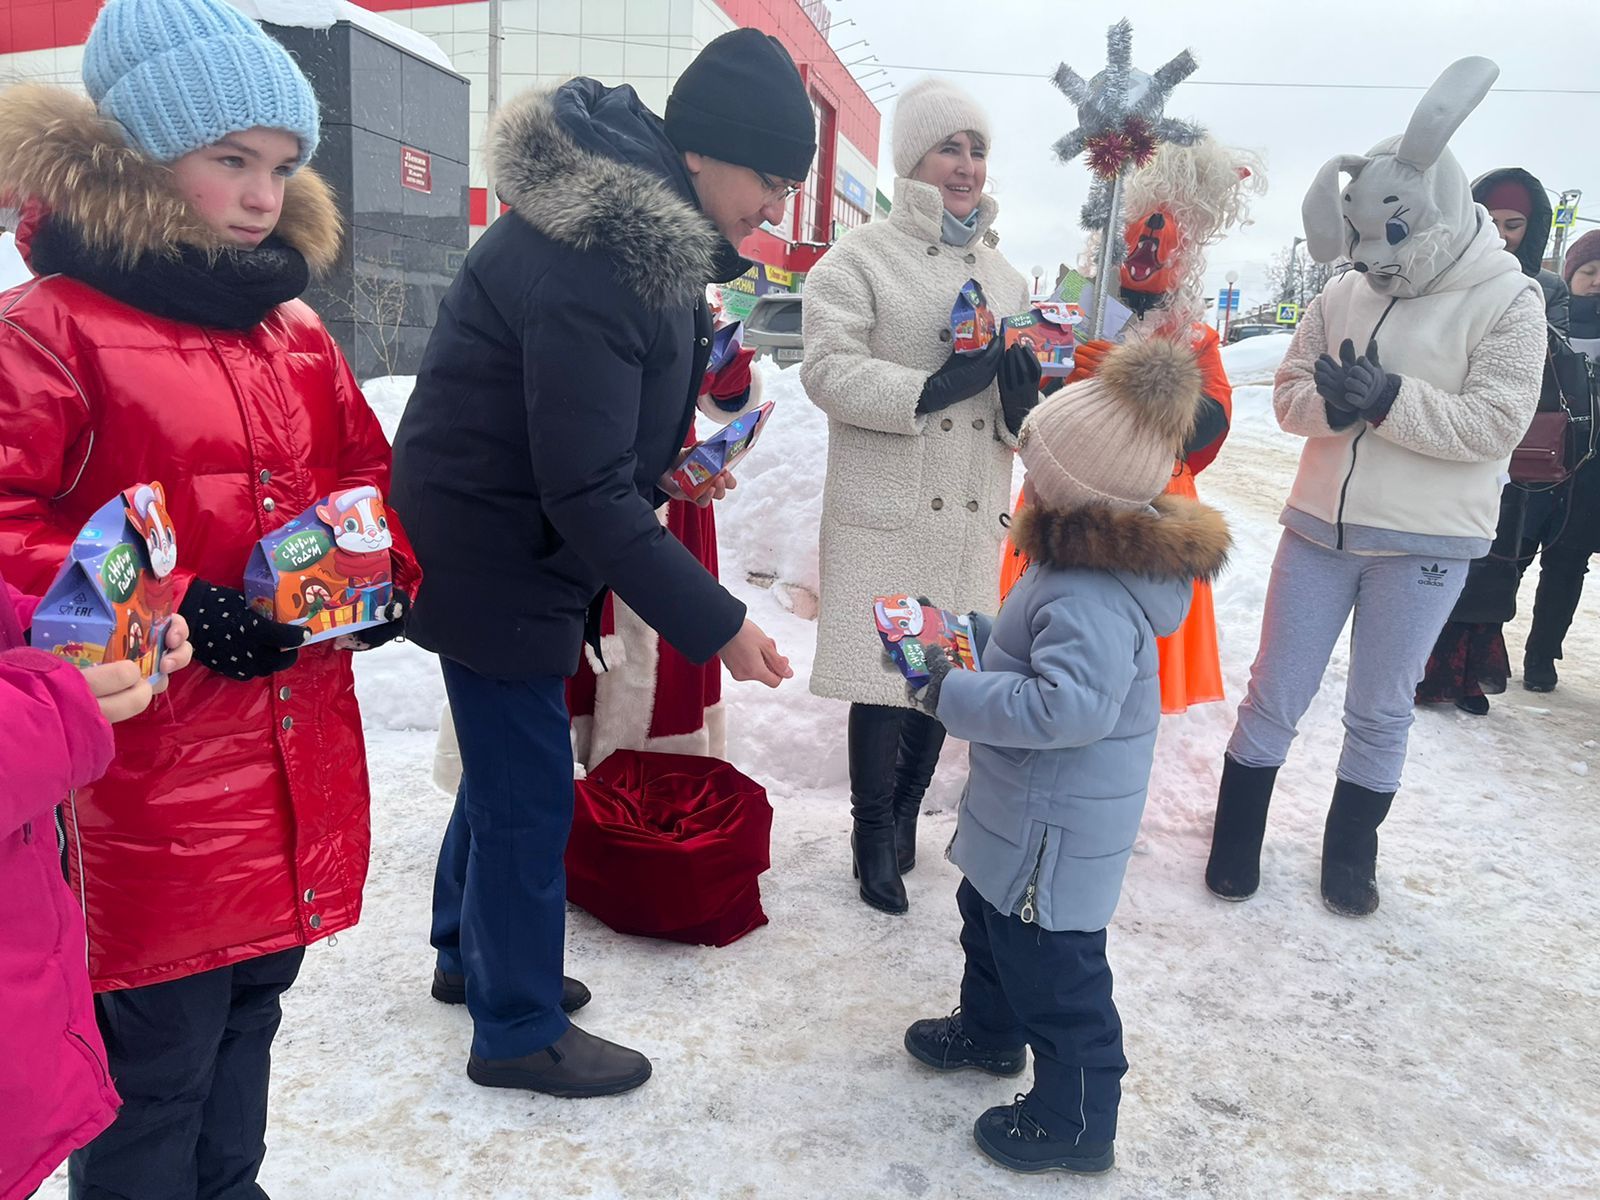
(1401, 603)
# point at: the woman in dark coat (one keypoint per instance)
(1469, 661)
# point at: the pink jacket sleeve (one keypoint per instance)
(52, 736)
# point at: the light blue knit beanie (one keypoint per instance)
(182, 74)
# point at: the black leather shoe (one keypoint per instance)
(578, 1065)
(1008, 1134)
(941, 1043)
(452, 989)
(1478, 706)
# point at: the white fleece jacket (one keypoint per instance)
(1426, 478)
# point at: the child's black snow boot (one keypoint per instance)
(944, 1045)
(1009, 1134)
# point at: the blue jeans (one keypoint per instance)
(500, 892)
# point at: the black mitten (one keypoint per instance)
(962, 377)
(1019, 375)
(395, 613)
(232, 639)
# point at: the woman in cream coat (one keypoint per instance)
(920, 445)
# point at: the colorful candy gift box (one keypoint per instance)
(113, 598)
(699, 465)
(329, 569)
(1046, 328)
(909, 628)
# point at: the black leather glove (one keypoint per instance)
(1368, 389)
(231, 638)
(394, 613)
(1019, 376)
(962, 377)
(926, 697)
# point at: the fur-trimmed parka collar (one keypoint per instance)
(1176, 538)
(664, 248)
(57, 152)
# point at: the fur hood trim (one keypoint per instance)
(58, 152)
(1175, 538)
(665, 250)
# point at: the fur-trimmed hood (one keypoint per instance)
(591, 167)
(60, 157)
(1174, 539)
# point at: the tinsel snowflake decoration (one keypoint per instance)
(1120, 117)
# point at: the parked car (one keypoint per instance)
(773, 328)
(1238, 333)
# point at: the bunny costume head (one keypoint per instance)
(1407, 214)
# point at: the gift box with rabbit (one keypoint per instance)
(329, 569)
(113, 598)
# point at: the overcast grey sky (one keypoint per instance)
(1556, 136)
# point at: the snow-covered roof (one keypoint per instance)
(323, 14)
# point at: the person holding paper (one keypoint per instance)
(173, 224)
(920, 442)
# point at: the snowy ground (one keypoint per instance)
(1445, 1047)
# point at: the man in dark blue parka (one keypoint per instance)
(557, 388)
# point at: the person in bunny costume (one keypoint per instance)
(1412, 377)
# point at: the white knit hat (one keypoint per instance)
(927, 112)
(1112, 439)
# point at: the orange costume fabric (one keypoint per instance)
(1191, 668)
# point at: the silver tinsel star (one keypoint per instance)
(1121, 121)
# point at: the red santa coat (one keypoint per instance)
(233, 821)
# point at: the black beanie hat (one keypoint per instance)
(741, 100)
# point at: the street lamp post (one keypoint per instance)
(1232, 278)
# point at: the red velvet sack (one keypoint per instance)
(670, 846)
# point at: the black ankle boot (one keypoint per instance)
(1350, 849)
(873, 863)
(1539, 674)
(1234, 869)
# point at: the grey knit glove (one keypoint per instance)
(926, 698)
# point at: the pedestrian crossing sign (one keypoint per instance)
(1288, 314)
(1566, 214)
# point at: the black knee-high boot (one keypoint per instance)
(1350, 849)
(1234, 869)
(874, 745)
(921, 740)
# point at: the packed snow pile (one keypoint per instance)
(768, 526)
(323, 14)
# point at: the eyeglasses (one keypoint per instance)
(776, 188)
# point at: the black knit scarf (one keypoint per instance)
(234, 289)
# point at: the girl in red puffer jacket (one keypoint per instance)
(172, 224)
